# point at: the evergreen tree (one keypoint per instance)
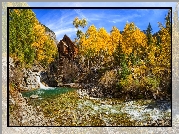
(149, 34)
(28, 40)
(168, 21)
(21, 35)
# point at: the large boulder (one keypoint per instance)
(34, 96)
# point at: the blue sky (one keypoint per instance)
(60, 20)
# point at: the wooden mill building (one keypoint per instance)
(66, 48)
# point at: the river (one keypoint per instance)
(69, 109)
(47, 92)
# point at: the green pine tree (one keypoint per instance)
(168, 21)
(149, 34)
(21, 35)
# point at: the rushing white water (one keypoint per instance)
(133, 110)
(41, 85)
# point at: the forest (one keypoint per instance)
(124, 65)
(144, 59)
(27, 39)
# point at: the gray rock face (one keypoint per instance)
(52, 36)
(36, 68)
(30, 80)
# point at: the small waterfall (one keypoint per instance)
(41, 85)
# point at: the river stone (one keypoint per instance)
(34, 96)
(60, 84)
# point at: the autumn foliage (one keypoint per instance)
(143, 59)
(28, 41)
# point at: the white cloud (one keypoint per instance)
(61, 22)
(123, 18)
(78, 11)
(61, 32)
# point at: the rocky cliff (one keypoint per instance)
(27, 79)
(51, 34)
(24, 79)
(32, 78)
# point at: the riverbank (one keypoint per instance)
(69, 109)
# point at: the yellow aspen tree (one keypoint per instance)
(103, 42)
(45, 47)
(115, 37)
